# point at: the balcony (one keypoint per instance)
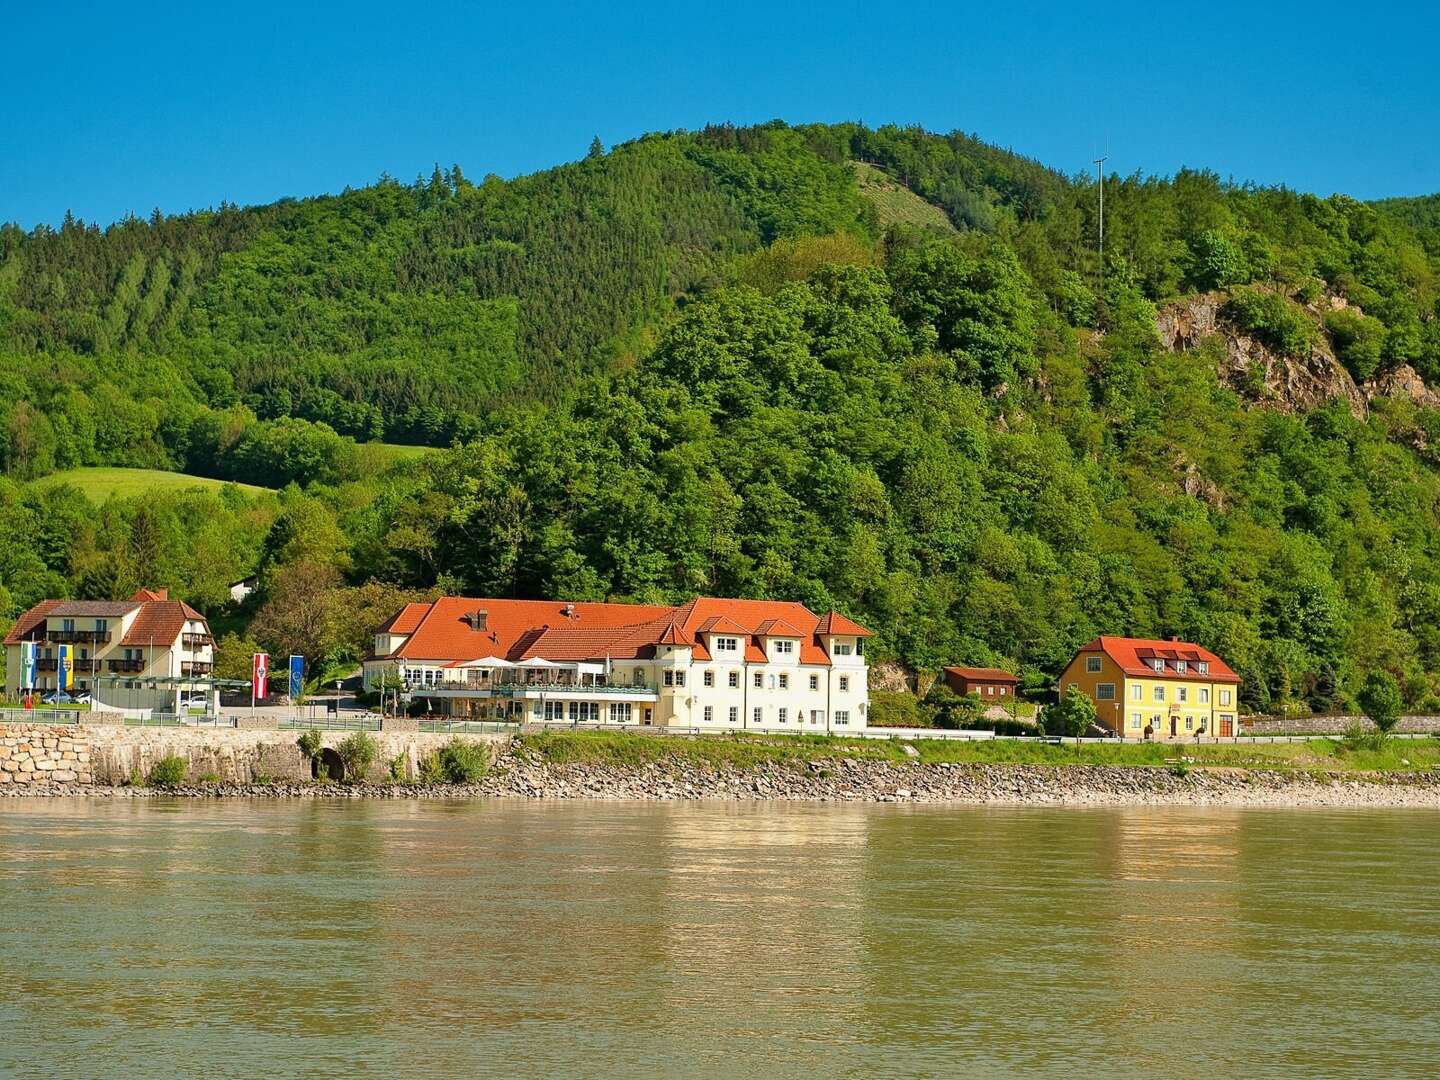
(45, 663)
(196, 641)
(78, 636)
(123, 665)
(195, 668)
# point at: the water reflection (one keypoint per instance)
(508, 938)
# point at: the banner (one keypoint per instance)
(260, 676)
(29, 654)
(65, 667)
(297, 677)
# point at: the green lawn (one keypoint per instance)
(739, 750)
(384, 454)
(101, 483)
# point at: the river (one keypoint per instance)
(512, 938)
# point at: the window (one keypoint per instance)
(784, 681)
(784, 648)
(1203, 666)
(1159, 693)
(859, 646)
(814, 682)
(1189, 723)
(554, 710)
(102, 625)
(990, 690)
(669, 678)
(1224, 697)
(1181, 666)
(709, 713)
(1182, 693)
(757, 715)
(1137, 692)
(1157, 664)
(781, 714)
(1204, 695)
(637, 677)
(1002, 691)
(734, 714)
(759, 681)
(842, 717)
(734, 679)
(1136, 720)
(1105, 691)
(679, 678)
(709, 678)
(726, 644)
(620, 712)
(816, 716)
(842, 649)
(1093, 664)
(844, 683)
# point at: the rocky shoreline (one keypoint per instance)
(850, 780)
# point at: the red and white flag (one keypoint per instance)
(260, 676)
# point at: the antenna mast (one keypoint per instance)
(1100, 179)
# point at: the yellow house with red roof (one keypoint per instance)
(147, 653)
(1172, 689)
(711, 664)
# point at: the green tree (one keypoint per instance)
(1382, 702)
(1073, 715)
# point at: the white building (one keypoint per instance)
(715, 664)
(147, 653)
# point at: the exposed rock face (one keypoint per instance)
(1289, 384)
(888, 676)
(1403, 382)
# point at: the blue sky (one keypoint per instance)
(106, 109)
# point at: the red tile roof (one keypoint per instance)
(32, 622)
(158, 622)
(982, 674)
(521, 630)
(777, 628)
(1134, 656)
(835, 623)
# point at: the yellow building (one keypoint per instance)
(1175, 689)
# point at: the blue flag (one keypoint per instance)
(297, 676)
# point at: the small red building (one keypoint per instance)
(989, 684)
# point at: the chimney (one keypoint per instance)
(569, 611)
(1173, 637)
(162, 594)
(479, 620)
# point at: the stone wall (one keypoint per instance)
(1331, 725)
(113, 754)
(43, 753)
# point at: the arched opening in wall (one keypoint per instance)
(327, 765)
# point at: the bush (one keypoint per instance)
(357, 753)
(1382, 701)
(168, 772)
(463, 762)
(432, 770)
(1273, 320)
(1358, 340)
(397, 768)
(310, 743)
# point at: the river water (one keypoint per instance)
(507, 938)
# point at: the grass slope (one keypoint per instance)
(896, 204)
(744, 751)
(102, 483)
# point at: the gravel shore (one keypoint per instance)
(517, 775)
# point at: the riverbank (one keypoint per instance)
(652, 768)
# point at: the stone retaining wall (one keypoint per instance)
(43, 753)
(1331, 725)
(33, 753)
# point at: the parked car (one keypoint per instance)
(60, 697)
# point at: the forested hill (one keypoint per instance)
(879, 370)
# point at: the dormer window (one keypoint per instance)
(1203, 667)
(1180, 666)
(727, 644)
(784, 647)
(1158, 664)
(842, 648)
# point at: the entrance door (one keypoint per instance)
(1227, 727)
(1173, 721)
